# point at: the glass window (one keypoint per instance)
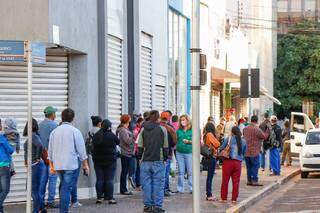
(313, 138)
(298, 124)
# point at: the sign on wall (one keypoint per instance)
(13, 51)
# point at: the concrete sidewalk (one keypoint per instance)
(181, 203)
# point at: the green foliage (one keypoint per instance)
(298, 71)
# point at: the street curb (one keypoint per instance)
(245, 204)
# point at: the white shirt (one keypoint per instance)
(66, 146)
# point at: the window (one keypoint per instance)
(313, 138)
(298, 124)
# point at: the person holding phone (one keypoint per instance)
(184, 152)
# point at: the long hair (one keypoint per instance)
(237, 133)
(209, 128)
(35, 127)
(189, 126)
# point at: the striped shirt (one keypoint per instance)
(254, 137)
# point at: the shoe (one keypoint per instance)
(76, 205)
(13, 173)
(158, 210)
(99, 201)
(167, 194)
(112, 202)
(148, 209)
(249, 183)
(223, 201)
(173, 192)
(126, 193)
(133, 185)
(257, 184)
(52, 206)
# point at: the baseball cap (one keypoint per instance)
(49, 110)
(165, 115)
(273, 118)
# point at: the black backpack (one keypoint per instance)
(89, 143)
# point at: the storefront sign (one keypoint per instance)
(13, 51)
(38, 53)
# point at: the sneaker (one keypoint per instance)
(148, 209)
(167, 194)
(51, 206)
(99, 201)
(158, 210)
(112, 202)
(76, 205)
(133, 185)
(126, 193)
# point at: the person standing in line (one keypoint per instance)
(136, 133)
(127, 152)
(241, 125)
(265, 126)
(220, 128)
(13, 136)
(210, 139)
(231, 167)
(275, 163)
(96, 125)
(38, 166)
(175, 122)
(286, 154)
(231, 122)
(253, 136)
(172, 140)
(45, 129)
(66, 148)
(104, 155)
(153, 152)
(184, 152)
(6, 151)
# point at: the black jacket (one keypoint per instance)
(37, 148)
(104, 144)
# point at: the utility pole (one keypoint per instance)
(238, 13)
(195, 88)
(249, 80)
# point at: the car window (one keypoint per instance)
(298, 124)
(313, 138)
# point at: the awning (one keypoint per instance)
(222, 75)
(265, 92)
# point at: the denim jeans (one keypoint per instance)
(184, 160)
(37, 171)
(275, 161)
(51, 180)
(167, 175)
(211, 169)
(152, 179)
(137, 174)
(126, 167)
(105, 180)
(262, 160)
(252, 164)
(67, 180)
(4, 185)
(74, 192)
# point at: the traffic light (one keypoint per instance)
(244, 83)
(203, 72)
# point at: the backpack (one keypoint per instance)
(89, 144)
(273, 138)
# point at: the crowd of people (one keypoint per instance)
(146, 146)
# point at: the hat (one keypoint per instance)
(125, 119)
(165, 116)
(49, 110)
(273, 118)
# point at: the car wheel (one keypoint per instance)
(304, 174)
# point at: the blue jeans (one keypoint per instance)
(137, 174)
(184, 160)
(74, 192)
(262, 160)
(105, 180)
(252, 164)
(127, 164)
(67, 180)
(275, 161)
(51, 179)
(37, 171)
(211, 169)
(168, 169)
(4, 185)
(152, 179)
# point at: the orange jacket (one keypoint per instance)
(212, 142)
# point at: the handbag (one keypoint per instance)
(225, 153)
(205, 150)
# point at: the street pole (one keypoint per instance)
(29, 159)
(249, 80)
(195, 51)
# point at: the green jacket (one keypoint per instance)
(182, 147)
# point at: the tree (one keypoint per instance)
(297, 77)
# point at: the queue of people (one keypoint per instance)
(145, 145)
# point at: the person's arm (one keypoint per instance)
(224, 144)
(140, 144)
(173, 136)
(165, 144)
(81, 150)
(116, 139)
(50, 156)
(124, 136)
(212, 141)
(8, 148)
(18, 143)
(261, 135)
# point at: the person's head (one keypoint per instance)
(210, 119)
(35, 127)
(266, 115)
(50, 112)
(287, 124)
(154, 116)
(184, 122)
(210, 128)
(146, 115)
(165, 116)
(241, 121)
(106, 125)
(125, 120)
(254, 119)
(10, 124)
(237, 133)
(222, 120)
(96, 121)
(273, 119)
(175, 118)
(140, 120)
(170, 113)
(246, 119)
(67, 115)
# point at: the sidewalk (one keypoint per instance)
(177, 203)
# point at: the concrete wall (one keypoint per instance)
(24, 20)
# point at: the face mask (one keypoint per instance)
(184, 123)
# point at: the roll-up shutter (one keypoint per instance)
(160, 97)
(115, 73)
(146, 79)
(50, 87)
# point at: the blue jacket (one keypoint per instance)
(6, 149)
(45, 129)
(234, 148)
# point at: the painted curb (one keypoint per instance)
(245, 204)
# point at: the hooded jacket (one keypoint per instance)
(153, 142)
(6, 151)
(126, 141)
(12, 134)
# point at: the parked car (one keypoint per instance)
(310, 153)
